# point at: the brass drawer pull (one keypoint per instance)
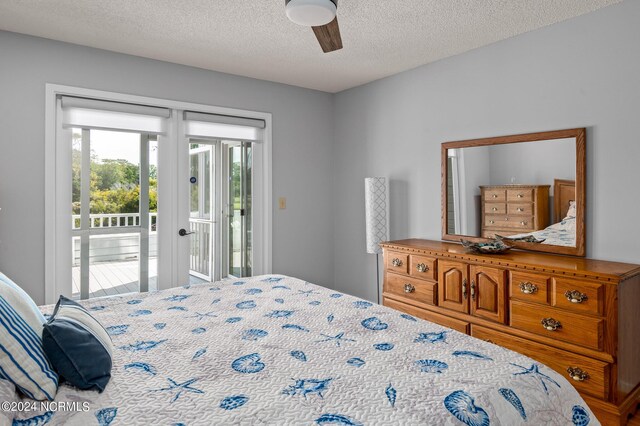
(520, 196)
(524, 222)
(464, 288)
(551, 324)
(520, 209)
(495, 195)
(574, 296)
(421, 267)
(528, 288)
(577, 374)
(408, 288)
(492, 222)
(396, 262)
(473, 290)
(495, 209)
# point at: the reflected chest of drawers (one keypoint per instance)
(514, 209)
(580, 317)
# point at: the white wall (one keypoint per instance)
(580, 73)
(302, 146)
(477, 171)
(533, 163)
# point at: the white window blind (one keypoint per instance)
(96, 114)
(204, 125)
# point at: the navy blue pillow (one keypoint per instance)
(78, 347)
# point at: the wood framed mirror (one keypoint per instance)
(528, 189)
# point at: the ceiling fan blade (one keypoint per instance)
(329, 36)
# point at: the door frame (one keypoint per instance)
(57, 279)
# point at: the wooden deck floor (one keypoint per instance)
(113, 278)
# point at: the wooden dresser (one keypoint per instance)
(514, 209)
(579, 316)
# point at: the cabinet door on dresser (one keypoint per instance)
(453, 287)
(488, 289)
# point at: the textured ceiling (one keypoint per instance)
(254, 38)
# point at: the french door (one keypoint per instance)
(145, 196)
(202, 210)
(215, 236)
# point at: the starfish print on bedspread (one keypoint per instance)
(179, 388)
(200, 316)
(338, 339)
(534, 371)
(177, 297)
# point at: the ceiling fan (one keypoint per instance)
(319, 15)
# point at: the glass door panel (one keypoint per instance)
(239, 209)
(114, 212)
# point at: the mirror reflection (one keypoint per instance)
(523, 191)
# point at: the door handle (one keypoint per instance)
(182, 232)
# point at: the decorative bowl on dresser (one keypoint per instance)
(580, 317)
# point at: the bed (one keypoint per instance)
(279, 350)
(563, 230)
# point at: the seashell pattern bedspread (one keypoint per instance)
(275, 350)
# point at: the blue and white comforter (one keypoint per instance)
(562, 233)
(275, 350)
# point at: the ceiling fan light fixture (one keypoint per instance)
(311, 13)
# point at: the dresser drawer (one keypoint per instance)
(491, 195)
(397, 262)
(529, 287)
(571, 328)
(506, 221)
(423, 267)
(461, 326)
(596, 381)
(411, 288)
(579, 296)
(495, 208)
(517, 195)
(525, 209)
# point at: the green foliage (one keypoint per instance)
(114, 186)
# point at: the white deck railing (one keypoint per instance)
(111, 220)
(126, 246)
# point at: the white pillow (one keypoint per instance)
(8, 394)
(22, 359)
(572, 210)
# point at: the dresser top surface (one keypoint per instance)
(515, 258)
(515, 185)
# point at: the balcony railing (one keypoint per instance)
(200, 254)
(111, 220)
(125, 247)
